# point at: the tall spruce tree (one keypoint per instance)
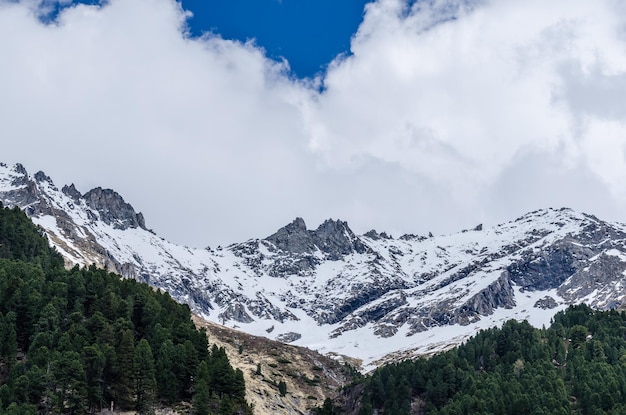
(145, 377)
(202, 398)
(125, 386)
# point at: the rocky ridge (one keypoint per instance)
(329, 289)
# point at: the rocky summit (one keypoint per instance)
(372, 297)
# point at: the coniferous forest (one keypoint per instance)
(77, 341)
(576, 366)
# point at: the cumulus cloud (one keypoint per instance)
(458, 100)
(446, 113)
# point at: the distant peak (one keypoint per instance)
(293, 237)
(72, 192)
(298, 223)
(336, 239)
(19, 168)
(113, 209)
(40, 176)
(373, 234)
(333, 237)
(334, 224)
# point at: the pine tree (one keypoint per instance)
(125, 386)
(95, 362)
(282, 388)
(9, 336)
(145, 376)
(201, 399)
(168, 384)
(239, 385)
(70, 386)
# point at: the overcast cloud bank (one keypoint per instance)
(446, 114)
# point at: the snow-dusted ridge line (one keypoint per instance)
(365, 296)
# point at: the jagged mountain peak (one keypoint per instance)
(332, 290)
(293, 237)
(332, 237)
(298, 224)
(42, 197)
(72, 192)
(18, 168)
(334, 226)
(113, 209)
(40, 176)
(335, 238)
(16, 174)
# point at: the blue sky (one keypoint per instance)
(446, 113)
(308, 33)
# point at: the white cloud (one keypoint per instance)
(442, 107)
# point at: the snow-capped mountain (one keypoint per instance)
(367, 296)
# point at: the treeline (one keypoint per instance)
(77, 341)
(578, 365)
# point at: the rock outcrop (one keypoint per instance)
(113, 209)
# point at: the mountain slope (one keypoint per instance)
(576, 366)
(80, 340)
(368, 296)
(310, 378)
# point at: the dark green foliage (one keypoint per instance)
(145, 377)
(75, 341)
(282, 388)
(578, 365)
(202, 398)
(168, 385)
(20, 240)
(328, 408)
(125, 371)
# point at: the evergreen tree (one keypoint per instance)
(145, 377)
(201, 399)
(282, 388)
(125, 385)
(95, 362)
(69, 380)
(9, 339)
(168, 383)
(238, 385)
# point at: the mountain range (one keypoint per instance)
(372, 297)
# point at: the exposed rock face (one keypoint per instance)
(550, 268)
(112, 209)
(333, 238)
(546, 302)
(497, 294)
(72, 192)
(289, 337)
(337, 240)
(332, 287)
(293, 238)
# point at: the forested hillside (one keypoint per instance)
(577, 366)
(76, 341)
